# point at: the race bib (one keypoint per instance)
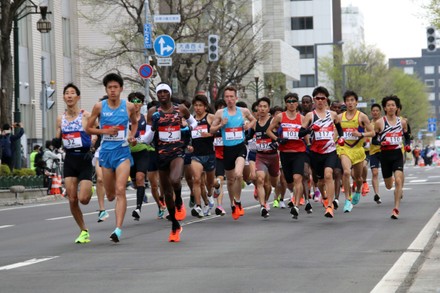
(197, 132)
(263, 144)
(120, 136)
(348, 134)
(290, 131)
(394, 138)
(234, 133)
(218, 141)
(325, 133)
(169, 133)
(72, 140)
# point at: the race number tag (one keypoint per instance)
(72, 140)
(325, 133)
(394, 138)
(234, 133)
(263, 144)
(348, 134)
(218, 141)
(120, 136)
(169, 133)
(197, 132)
(290, 131)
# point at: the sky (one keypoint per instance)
(396, 27)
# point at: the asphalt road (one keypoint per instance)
(350, 253)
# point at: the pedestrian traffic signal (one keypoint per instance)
(46, 95)
(213, 54)
(431, 39)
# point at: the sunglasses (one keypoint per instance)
(291, 101)
(136, 101)
(320, 98)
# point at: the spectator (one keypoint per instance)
(50, 157)
(7, 142)
(416, 154)
(32, 156)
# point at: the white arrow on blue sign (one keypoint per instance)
(432, 127)
(164, 46)
(148, 44)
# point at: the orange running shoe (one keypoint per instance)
(180, 213)
(365, 189)
(175, 235)
(395, 214)
(235, 213)
(302, 201)
(325, 202)
(240, 208)
(329, 212)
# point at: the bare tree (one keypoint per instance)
(9, 9)
(239, 31)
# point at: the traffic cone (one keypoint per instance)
(56, 184)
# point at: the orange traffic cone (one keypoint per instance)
(56, 184)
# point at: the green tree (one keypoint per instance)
(375, 81)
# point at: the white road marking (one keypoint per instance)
(402, 267)
(26, 263)
(6, 226)
(418, 180)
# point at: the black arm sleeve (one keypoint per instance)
(339, 129)
(304, 131)
(407, 138)
(250, 133)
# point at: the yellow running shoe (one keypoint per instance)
(84, 237)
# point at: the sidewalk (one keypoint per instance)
(427, 278)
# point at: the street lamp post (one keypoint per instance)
(344, 73)
(315, 54)
(257, 79)
(43, 26)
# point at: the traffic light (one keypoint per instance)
(431, 38)
(213, 48)
(46, 95)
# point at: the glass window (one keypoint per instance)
(429, 69)
(431, 96)
(408, 70)
(302, 23)
(67, 49)
(306, 80)
(305, 52)
(429, 82)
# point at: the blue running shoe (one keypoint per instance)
(102, 216)
(160, 213)
(348, 206)
(116, 235)
(356, 198)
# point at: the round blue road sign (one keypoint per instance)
(145, 71)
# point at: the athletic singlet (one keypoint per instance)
(322, 140)
(349, 126)
(393, 134)
(202, 145)
(218, 145)
(142, 126)
(75, 139)
(168, 136)
(290, 130)
(114, 117)
(263, 141)
(233, 132)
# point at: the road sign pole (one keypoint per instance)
(147, 57)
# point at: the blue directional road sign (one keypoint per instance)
(148, 42)
(164, 46)
(432, 124)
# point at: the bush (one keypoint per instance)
(23, 172)
(4, 170)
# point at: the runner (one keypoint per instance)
(375, 154)
(203, 155)
(393, 133)
(320, 123)
(164, 125)
(114, 157)
(351, 150)
(78, 167)
(292, 148)
(232, 124)
(337, 171)
(139, 152)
